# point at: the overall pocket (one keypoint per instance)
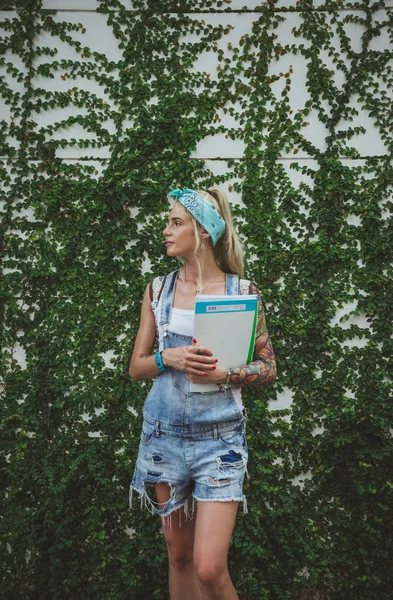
(180, 381)
(235, 438)
(147, 435)
(231, 399)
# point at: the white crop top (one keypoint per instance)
(182, 321)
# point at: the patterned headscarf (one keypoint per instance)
(204, 212)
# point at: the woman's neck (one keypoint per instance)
(190, 271)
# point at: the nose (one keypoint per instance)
(166, 232)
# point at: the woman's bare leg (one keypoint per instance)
(179, 537)
(213, 532)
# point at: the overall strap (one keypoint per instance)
(232, 284)
(167, 300)
(155, 291)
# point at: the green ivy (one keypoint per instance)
(75, 238)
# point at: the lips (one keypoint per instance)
(168, 243)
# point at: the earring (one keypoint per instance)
(203, 244)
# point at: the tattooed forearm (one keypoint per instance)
(259, 372)
(145, 355)
(262, 370)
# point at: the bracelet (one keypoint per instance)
(224, 386)
(159, 362)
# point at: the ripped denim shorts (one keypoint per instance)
(204, 463)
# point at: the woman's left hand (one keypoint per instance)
(218, 375)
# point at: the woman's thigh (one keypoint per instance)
(178, 529)
(213, 531)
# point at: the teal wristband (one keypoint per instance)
(159, 363)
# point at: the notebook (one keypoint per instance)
(227, 326)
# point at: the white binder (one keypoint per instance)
(227, 326)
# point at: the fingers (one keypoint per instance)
(202, 356)
(200, 363)
(198, 349)
(194, 375)
(201, 360)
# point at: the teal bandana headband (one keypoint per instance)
(204, 212)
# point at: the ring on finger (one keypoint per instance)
(198, 350)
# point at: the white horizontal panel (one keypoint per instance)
(14, 68)
(95, 31)
(252, 4)
(219, 146)
(7, 14)
(71, 89)
(315, 131)
(13, 74)
(95, 168)
(345, 4)
(220, 168)
(72, 135)
(74, 152)
(78, 4)
(235, 5)
(216, 145)
(207, 60)
(296, 176)
(381, 42)
(72, 86)
(370, 142)
(70, 4)
(5, 111)
(11, 141)
(211, 147)
(284, 399)
(75, 87)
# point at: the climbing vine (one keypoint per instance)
(92, 140)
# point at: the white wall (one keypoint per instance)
(215, 149)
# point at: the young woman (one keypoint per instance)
(193, 446)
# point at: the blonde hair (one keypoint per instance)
(228, 251)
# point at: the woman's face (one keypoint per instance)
(179, 233)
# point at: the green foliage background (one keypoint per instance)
(73, 242)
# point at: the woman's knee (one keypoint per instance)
(180, 544)
(211, 572)
(179, 554)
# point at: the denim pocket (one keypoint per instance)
(229, 395)
(146, 437)
(180, 381)
(234, 438)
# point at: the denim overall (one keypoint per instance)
(194, 442)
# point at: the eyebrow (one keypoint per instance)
(175, 219)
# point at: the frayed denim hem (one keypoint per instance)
(188, 506)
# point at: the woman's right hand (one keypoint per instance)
(189, 360)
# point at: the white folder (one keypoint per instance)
(227, 326)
